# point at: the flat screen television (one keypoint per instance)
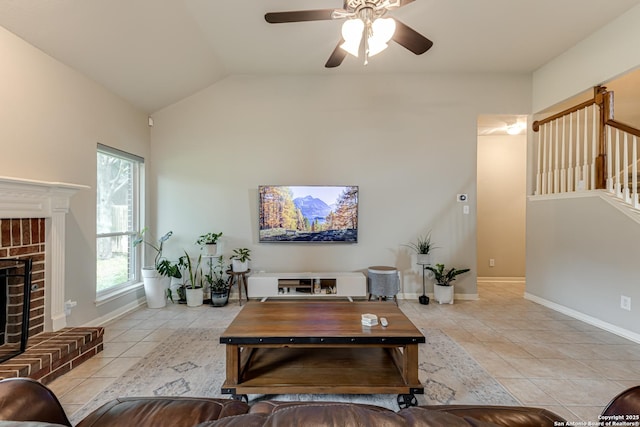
(316, 213)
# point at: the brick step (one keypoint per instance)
(52, 354)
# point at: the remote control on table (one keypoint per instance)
(384, 322)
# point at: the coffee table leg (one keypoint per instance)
(233, 365)
(410, 364)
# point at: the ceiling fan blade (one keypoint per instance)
(396, 4)
(299, 16)
(411, 39)
(337, 56)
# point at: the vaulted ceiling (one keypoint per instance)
(156, 52)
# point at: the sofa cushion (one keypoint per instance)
(321, 414)
(270, 406)
(625, 403)
(25, 399)
(162, 411)
(506, 416)
(28, 424)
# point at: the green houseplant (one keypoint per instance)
(217, 283)
(422, 247)
(239, 259)
(155, 278)
(209, 241)
(174, 271)
(193, 287)
(159, 263)
(443, 289)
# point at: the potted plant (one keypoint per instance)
(193, 287)
(443, 289)
(155, 278)
(218, 286)
(174, 271)
(209, 241)
(422, 247)
(240, 259)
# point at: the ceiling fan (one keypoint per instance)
(366, 29)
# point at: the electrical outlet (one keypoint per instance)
(625, 302)
(492, 262)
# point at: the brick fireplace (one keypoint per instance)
(32, 226)
(25, 238)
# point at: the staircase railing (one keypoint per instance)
(622, 164)
(583, 148)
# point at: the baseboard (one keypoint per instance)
(501, 280)
(624, 333)
(121, 311)
(465, 297)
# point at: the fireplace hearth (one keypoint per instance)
(32, 227)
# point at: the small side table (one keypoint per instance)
(241, 279)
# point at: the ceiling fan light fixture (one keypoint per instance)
(382, 30)
(516, 128)
(365, 32)
(352, 31)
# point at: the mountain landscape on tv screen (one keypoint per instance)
(312, 208)
(299, 214)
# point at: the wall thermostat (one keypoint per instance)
(462, 197)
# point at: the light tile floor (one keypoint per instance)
(544, 358)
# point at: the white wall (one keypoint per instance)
(502, 205)
(607, 53)
(52, 118)
(408, 142)
(580, 253)
(585, 256)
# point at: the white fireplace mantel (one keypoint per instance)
(24, 198)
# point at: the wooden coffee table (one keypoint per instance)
(321, 347)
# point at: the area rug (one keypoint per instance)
(191, 362)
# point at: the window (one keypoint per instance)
(118, 189)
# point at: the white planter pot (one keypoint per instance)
(194, 297)
(443, 294)
(155, 288)
(423, 259)
(211, 249)
(238, 266)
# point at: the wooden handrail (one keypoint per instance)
(623, 127)
(536, 125)
(599, 93)
(596, 171)
(604, 100)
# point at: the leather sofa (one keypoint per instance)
(27, 403)
(24, 399)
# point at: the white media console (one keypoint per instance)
(307, 285)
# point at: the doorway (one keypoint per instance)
(501, 191)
